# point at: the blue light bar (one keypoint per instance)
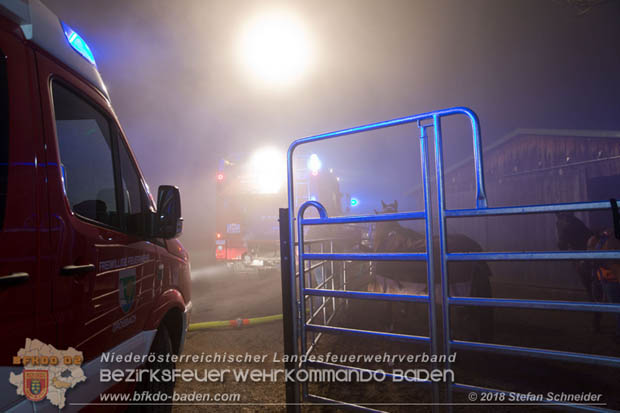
(78, 44)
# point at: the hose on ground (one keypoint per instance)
(239, 322)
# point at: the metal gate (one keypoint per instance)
(302, 335)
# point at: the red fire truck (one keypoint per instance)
(89, 263)
(249, 192)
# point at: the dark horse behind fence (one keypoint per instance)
(601, 280)
(469, 279)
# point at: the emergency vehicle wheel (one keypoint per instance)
(162, 345)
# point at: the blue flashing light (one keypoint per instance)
(78, 44)
(354, 202)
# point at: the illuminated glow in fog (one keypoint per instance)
(275, 48)
(268, 170)
(314, 163)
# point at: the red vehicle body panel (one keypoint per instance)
(40, 234)
(79, 242)
(24, 308)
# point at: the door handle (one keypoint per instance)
(15, 278)
(77, 269)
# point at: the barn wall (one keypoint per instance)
(526, 170)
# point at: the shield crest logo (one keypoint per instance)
(126, 288)
(35, 384)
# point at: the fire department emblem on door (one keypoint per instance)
(126, 288)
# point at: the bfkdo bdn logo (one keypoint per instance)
(48, 373)
(36, 384)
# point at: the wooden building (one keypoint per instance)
(536, 166)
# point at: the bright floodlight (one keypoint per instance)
(275, 48)
(268, 169)
(314, 163)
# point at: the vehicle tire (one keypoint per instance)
(162, 345)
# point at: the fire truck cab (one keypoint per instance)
(88, 260)
(249, 191)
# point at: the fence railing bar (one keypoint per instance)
(314, 241)
(373, 126)
(363, 295)
(398, 256)
(312, 267)
(349, 406)
(314, 343)
(537, 304)
(528, 209)
(318, 310)
(533, 256)
(537, 353)
(333, 313)
(319, 335)
(404, 216)
(328, 279)
(406, 338)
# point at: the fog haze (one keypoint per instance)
(184, 99)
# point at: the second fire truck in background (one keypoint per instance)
(249, 191)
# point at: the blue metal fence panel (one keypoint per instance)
(298, 298)
(482, 210)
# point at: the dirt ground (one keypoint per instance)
(219, 294)
(260, 340)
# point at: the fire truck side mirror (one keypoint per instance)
(169, 220)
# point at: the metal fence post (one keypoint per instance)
(288, 314)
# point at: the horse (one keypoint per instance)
(601, 280)
(465, 279)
